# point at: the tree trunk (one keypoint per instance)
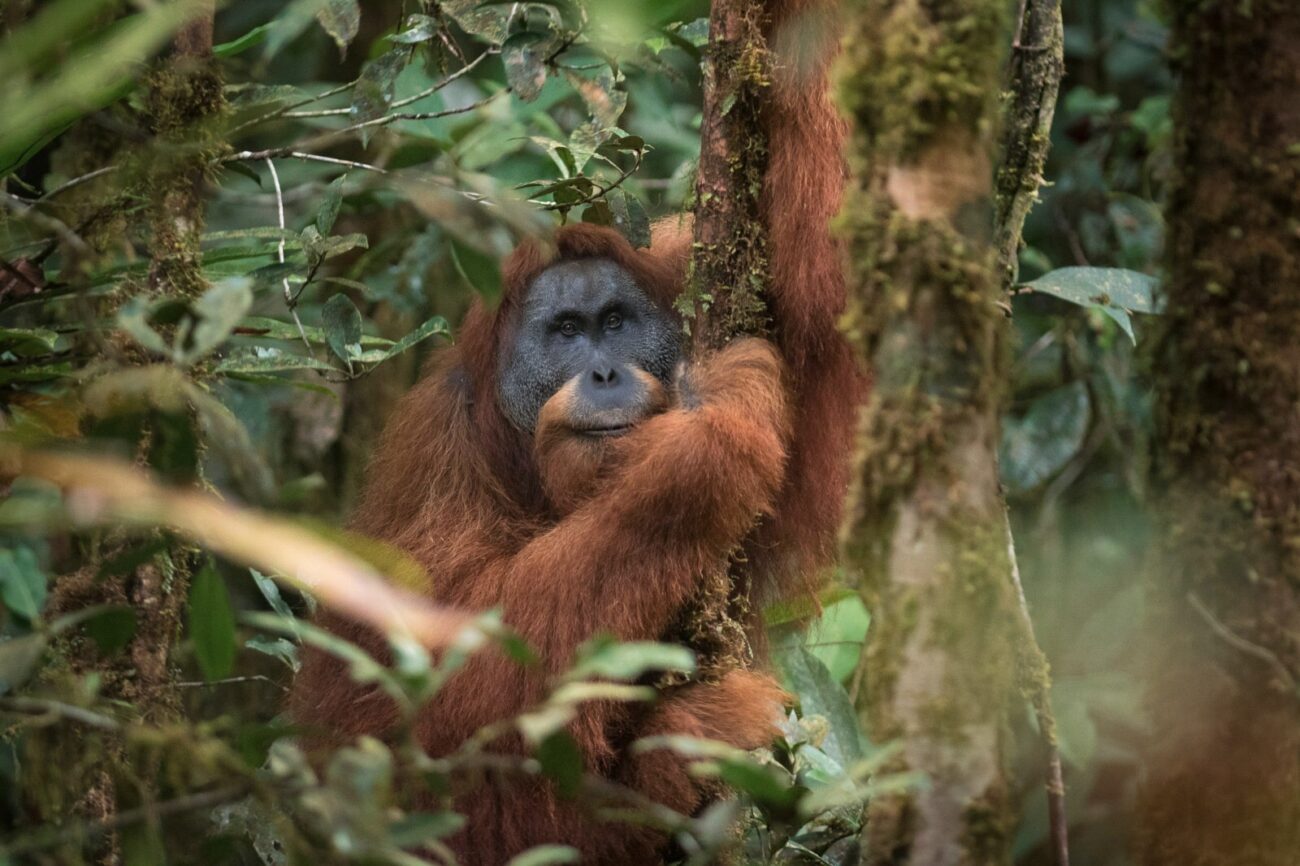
(925, 529)
(729, 268)
(1223, 764)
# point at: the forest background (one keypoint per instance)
(228, 271)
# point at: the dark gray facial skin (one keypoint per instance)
(586, 318)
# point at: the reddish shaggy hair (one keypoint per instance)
(457, 487)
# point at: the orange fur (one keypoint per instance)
(619, 543)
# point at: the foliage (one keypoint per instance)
(364, 171)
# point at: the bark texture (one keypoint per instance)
(1223, 764)
(729, 268)
(925, 528)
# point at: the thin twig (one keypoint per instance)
(58, 709)
(1036, 685)
(77, 181)
(289, 299)
(428, 91)
(1238, 642)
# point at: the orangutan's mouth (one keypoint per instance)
(603, 432)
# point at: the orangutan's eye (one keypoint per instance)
(569, 328)
(613, 322)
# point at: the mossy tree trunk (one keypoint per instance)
(925, 528)
(729, 267)
(1223, 763)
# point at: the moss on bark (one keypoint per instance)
(920, 80)
(1223, 766)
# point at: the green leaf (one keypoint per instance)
(111, 628)
(373, 92)
(628, 661)
(268, 359)
(271, 592)
(761, 782)
(419, 28)
(18, 658)
(342, 322)
(480, 270)
(561, 761)
(487, 23)
(415, 829)
(1039, 444)
(1115, 291)
(212, 624)
(26, 342)
(252, 38)
(544, 855)
(278, 648)
(329, 206)
(603, 99)
(435, 326)
(22, 582)
(630, 218)
(133, 318)
(220, 308)
(523, 56)
(821, 694)
(273, 329)
(341, 20)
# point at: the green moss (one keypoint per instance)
(728, 277)
(913, 68)
(185, 105)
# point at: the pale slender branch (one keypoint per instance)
(290, 301)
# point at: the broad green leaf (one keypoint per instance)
(523, 55)
(837, 636)
(481, 271)
(630, 218)
(212, 624)
(821, 694)
(27, 341)
(22, 581)
(478, 20)
(373, 92)
(276, 647)
(603, 99)
(342, 322)
(273, 329)
(18, 658)
(419, 28)
(133, 318)
(628, 661)
(220, 308)
(329, 206)
(1039, 444)
(561, 761)
(268, 359)
(296, 17)
(341, 20)
(1115, 291)
(112, 628)
(94, 72)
